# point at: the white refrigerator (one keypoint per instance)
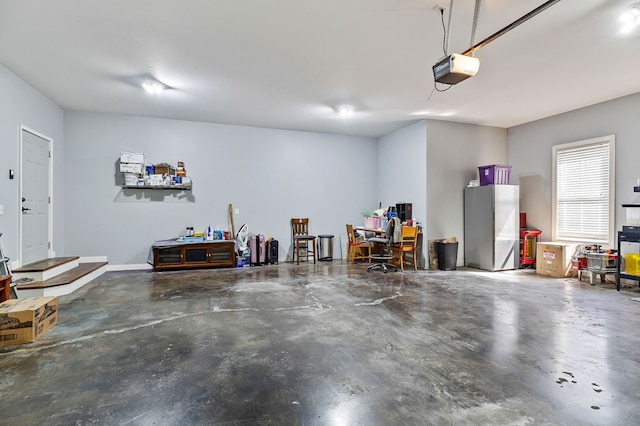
(492, 227)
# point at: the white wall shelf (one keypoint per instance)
(168, 187)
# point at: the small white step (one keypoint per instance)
(45, 269)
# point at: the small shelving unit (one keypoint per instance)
(628, 242)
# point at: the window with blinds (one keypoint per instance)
(584, 191)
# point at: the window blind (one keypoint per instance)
(582, 193)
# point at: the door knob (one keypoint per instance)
(25, 209)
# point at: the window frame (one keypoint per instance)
(610, 139)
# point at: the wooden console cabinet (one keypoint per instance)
(209, 254)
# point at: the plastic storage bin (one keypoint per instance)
(372, 222)
(494, 174)
(632, 264)
(632, 214)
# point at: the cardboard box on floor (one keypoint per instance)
(25, 320)
(554, 259)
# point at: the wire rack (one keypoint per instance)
(602, 262)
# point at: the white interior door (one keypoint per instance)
(35, 197)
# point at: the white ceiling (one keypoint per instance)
(289, 64)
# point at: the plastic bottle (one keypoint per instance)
(209, 233)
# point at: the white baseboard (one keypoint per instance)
(92, 259)
(131, 267)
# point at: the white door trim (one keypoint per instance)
(20, 180)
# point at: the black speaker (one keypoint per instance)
(404, 211)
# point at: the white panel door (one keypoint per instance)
(35, 197)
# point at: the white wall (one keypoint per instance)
(402, 160)
(21, 104)
(454, 152)
(530, 147)
(270, 175)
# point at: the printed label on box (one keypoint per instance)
(549, 256)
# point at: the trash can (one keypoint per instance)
(447, 255)
(325, 247)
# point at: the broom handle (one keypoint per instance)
(233, 231)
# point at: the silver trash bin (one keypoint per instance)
(325, 247)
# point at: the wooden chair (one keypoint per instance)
(407, 245)
(303, 243)
(5, 287)
(360, 250)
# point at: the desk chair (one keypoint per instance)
(360, 250)
(303, 243)
(383, 258)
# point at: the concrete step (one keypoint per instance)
(43, 270)
(63, 283)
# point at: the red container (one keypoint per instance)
(495, 174)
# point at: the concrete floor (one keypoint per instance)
(331, 345)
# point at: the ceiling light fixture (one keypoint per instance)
(631, 17)
(345, 111)
(153, 87)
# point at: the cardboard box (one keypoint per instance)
(25, 320)
(554, 259)
(164, 169)
(132, 157)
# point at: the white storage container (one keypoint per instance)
(132, 157)
(131, 167)
(130, 179)
(632, 214)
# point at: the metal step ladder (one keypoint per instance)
(5, 269)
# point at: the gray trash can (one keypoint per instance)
(325, 247)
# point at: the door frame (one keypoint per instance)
(21, 130)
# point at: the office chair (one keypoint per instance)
(303, 243)
(383, 258)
